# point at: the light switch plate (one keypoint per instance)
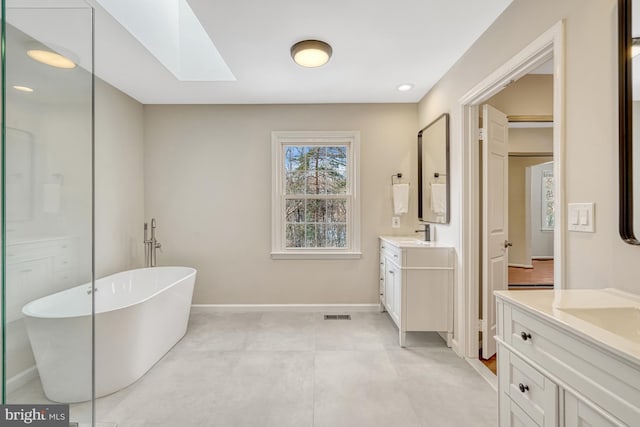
(582, 217)
(395, 222)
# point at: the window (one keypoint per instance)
(316, 206)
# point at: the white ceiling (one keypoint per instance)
(377, 45)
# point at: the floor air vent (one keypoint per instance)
(337, 317)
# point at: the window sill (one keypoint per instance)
(316, 255)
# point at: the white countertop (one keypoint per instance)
(413, 242)
(606, 317)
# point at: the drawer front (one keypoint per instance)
(598, 375)
(511, 415)
(381, 278)
(64, 279)
(392, 252)
(529, 389)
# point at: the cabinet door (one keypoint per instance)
(397, 293)
(579, 413)
(391, 294)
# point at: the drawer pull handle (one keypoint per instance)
(391, 272)
(523, 387)
(525, 336)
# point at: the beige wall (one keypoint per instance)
(119, 181)
(592, 260)
(208, 183)
(530, 140)
(532, 95)
(518, 253)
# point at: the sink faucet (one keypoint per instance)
(426, 231)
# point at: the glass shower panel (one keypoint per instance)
(48, 218)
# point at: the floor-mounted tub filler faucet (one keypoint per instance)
(150, 245)
(426, 231)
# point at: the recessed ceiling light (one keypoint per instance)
(405, 87)
(311, 53)
(51, 58)
(23, 88)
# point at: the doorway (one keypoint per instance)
(531, 221)
(548, 46)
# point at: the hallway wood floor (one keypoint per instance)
(540, 274)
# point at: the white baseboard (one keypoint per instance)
(456, 347)
(19, 380)
(307, 308)
(521, 265)
(542, 257)
(484, 372)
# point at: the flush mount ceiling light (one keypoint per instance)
(23, 88)
(311, 53)
(51, 58)
(405, 87)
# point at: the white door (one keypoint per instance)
(495, 168)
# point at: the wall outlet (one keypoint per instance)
(395, 222)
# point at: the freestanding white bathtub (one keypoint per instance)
(139, 315)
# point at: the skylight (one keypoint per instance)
(172, 33)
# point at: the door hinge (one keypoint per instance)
(480, 134)
(481, 325)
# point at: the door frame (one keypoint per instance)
(547, 46)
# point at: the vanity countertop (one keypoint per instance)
(605, 317)
(413, 242)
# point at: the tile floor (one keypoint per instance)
(296, 369)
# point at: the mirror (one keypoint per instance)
(433, 171)
(629, 119)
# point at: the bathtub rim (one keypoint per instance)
(191, 272)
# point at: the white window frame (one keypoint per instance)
(280, 139)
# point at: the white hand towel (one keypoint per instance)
(400, 198)
(51, 195)
(438, 198)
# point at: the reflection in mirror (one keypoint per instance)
(433, 170)
(629, 119)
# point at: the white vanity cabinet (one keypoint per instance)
(36, 268)
(552, 371)
(416, 285)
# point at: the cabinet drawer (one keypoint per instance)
(62, 262)
(392, 252)
(529, 389)
(512, 415)
(611, 381)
